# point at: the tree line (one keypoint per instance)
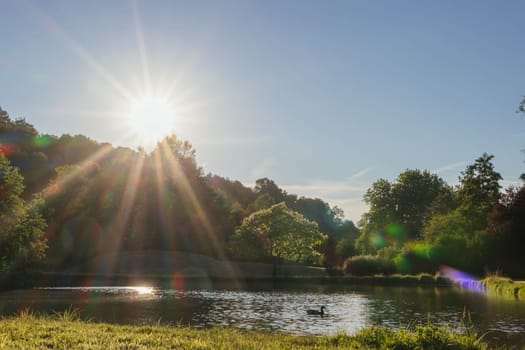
(418, 223)
(89, 198)
(65, 199)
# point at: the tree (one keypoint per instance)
(399, 210)
(267, 186)
(277, 233)
(480, 184)
(462, 233)
(21, 225)
(263, 201)
(521, 107)
(415, 193)
(21, 144)
(506, 229)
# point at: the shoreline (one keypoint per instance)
(178, 281)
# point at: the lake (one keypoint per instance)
(282, 309)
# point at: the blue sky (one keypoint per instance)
(322, 97)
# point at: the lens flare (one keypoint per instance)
(42, 141)
(464, 280)
(395, 230)
(7, 149)
(378, 240)
(402, 264)
(151, 118)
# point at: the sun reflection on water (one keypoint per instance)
(143, 290)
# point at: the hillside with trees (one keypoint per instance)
(66, 199)
(97, 199)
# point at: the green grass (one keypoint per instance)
(504, 287)
(66, 331)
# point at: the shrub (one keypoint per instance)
(368, 265)
(389, 253)
(417, 257)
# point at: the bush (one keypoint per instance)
(389, 253)
(368, 265)
(413, 263)
(417, 257)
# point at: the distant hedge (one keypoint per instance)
(366, 265)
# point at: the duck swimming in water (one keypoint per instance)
(315, 312)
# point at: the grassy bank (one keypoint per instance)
(66, 331)
(504, 287)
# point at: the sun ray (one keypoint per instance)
(82, 167)
(139, 32)
(135, 173)
(52, 26)
(180, 180)
(127, 201)
(159, 176)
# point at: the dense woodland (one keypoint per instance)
(65, 199)
(92, 198)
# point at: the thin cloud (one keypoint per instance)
(346, 194)
(360, 174)
(449, 167)
(351, 184)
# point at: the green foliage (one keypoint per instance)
(460, 224)
(345, 248)
(268, 187)
(21, 225)
(263, 201)
(399, 210)
(415, 192)
(330, 220)
(421, 337)
(429, 224)
(119, 199)
(480, 184)
(368, 265)
(389, 253)
(100, 199)
(277, 232)
(459, 237)
(418, 257)
(235, 191)
(20, 143)
(506, 233)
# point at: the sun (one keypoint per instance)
(151, 118)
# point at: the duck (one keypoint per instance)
(315, 312)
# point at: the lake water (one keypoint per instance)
(282, 309)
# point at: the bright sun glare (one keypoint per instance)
(143, 290)
(151, 118)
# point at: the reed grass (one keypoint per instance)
(504, 287)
